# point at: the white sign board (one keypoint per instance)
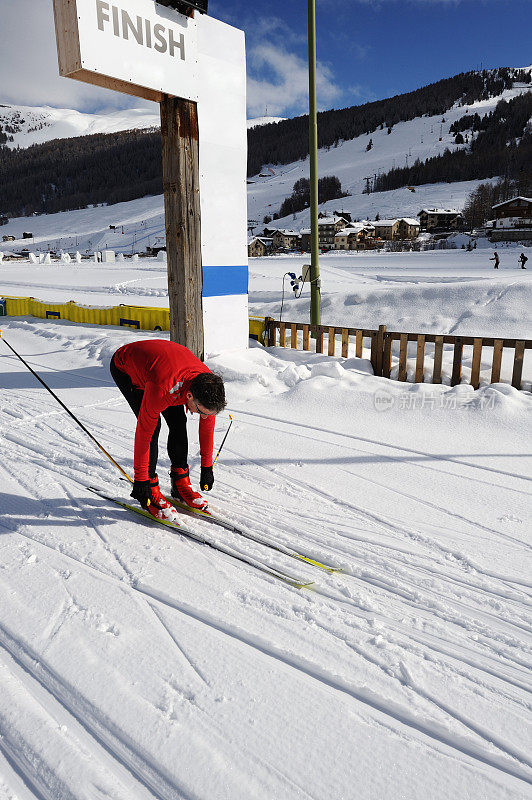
(135, 46)
(200, 59)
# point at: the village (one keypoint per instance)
(512, 221)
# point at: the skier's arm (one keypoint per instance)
(153, 403)
(206, 439)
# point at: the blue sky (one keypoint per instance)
(367, 50)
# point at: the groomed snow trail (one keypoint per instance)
(137, 664)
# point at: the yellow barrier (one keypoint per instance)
(140, 318)
(257, 329)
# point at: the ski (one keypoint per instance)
(189, 534)
(216, 519)
(253, 537)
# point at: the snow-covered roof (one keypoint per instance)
(264, 239)
(410, 221)
(328, 220)
(347, 232)
(384, 223)
(512, 200)
(286, 233)
(439, 211)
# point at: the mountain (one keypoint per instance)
(26, 125)
(360, 145)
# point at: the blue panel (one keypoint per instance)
(218, 281)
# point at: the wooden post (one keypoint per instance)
(420, 359)
(456, 377)
(293, 336)
(518, 364)
(269, 332)
(282, 334)
(345, 342)
(403, 356)
(438, 357)
(475, 365)
(497, 361)
(387, 356)
(306, 336)
(179, 133)
(359, 344)
(319, 339)
(379, 347)
(331, 342)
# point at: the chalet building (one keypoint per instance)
(260, 246)
(356, 236)
(305, 240)
(439, 220)
(407, 228)
(513, 220)
(386, 229)
(285, 240)
(328, 227)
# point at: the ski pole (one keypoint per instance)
(222, 444)
(69, 412)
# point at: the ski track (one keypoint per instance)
(502, 672)
(411, 597)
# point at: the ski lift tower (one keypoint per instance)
(171, 52)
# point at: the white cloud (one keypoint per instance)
(28, 64)
(287, 89)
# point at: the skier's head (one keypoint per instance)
(207, 389)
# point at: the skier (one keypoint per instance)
(523, 259)
(160, 377)
(496, 259)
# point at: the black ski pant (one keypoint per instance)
(174, 416)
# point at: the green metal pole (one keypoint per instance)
(315, 303)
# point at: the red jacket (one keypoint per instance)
(163, 370)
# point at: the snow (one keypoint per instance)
(41, 124)
(423, 137)
(137, 664)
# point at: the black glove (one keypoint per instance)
(142, 492)
(206, 479)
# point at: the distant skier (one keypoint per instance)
(160, 377)
(496, 259)
(523, 259)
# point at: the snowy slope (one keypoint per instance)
(136, 664)
(421, 138)
(36, 125)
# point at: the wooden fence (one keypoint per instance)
(381, 342)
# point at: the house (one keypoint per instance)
(386, 229)
(305, 240)
(285, 240)
(355, 236)
(440, 219)
(260, 246)
(513, 220)
(328, 227)
(407, 228)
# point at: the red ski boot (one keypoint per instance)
(182, 489)
(159, 506)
